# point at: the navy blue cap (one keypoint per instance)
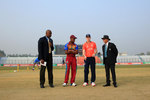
(88, 35)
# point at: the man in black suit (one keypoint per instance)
(45, 48)
(110, 53)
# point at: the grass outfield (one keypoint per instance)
(133, 84)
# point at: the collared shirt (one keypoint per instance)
(47, 38)
(105, 49)
(107, 44)
(89, 48)
(68, 46)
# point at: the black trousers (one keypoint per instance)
(109, 66)
(90, 61)
(49, 70)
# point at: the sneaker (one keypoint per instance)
(93, 84)
(64, 84)
(85, 84)
(74, 84)
(33, 69)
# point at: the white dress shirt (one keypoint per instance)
(107, 44)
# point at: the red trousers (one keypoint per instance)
(70, 61)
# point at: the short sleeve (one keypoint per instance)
(76, 47)
(66, 47)
(36, 60)
(95, 45)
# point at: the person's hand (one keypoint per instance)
(73, 51)
(85, 57)
(70, 51)
(42, 61)
(93, 55)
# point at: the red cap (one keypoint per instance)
(72, 36)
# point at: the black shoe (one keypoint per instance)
(42, 86)
(115, 85)
(106, 85)
(51, 85)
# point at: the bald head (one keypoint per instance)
(48, 33)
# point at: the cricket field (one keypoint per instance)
(133, 84)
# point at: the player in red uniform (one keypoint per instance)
(71, 49)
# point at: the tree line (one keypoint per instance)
(2, 53)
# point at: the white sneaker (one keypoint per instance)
(74, 84)
(85, 84)
(93, 84)
(64, 84)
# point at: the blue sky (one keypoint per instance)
(23, 22)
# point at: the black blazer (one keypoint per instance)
(43, 48)
(112, 53)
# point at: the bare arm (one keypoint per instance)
(84, 54)
(67, 52)
(95, 51)
(75, 51)
(71, 51)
